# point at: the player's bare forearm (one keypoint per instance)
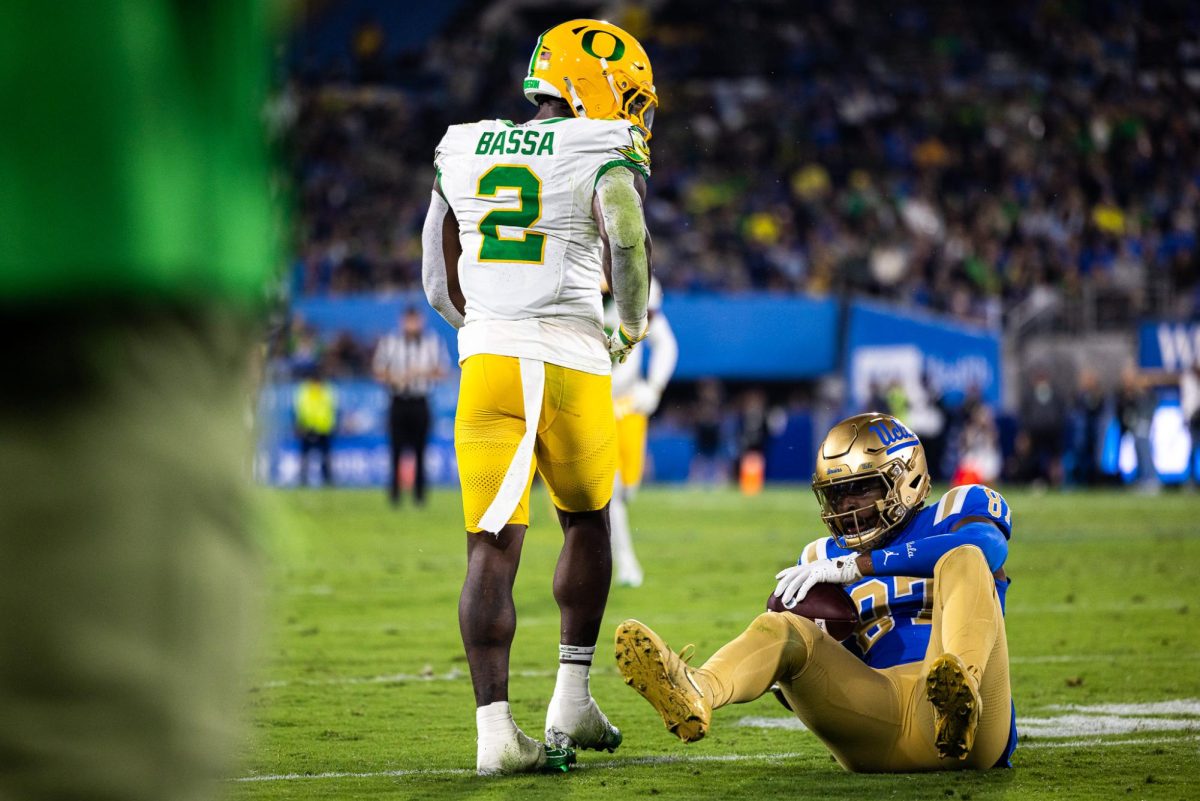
(623, 229)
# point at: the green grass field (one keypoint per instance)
(362, 690)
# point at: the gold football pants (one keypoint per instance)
(878, 720)
(631, 447)
(576, 443)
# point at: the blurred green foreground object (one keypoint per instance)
(135, 242)
(132, 159)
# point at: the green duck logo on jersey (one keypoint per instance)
(638, 151)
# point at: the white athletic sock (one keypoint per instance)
(494, 723)
(573, 718)
(575, 664)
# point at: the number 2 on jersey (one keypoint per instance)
(530, 247)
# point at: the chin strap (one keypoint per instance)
(612, 86)
(576, 103)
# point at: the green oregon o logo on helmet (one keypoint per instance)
(589, 41)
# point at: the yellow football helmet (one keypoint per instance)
(871, 454)
(600, 70)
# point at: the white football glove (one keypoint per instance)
(645, 398)
(620, 345)
(796, 581)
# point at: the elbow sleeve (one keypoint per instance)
(622, 210)
(433, 262)
(626, 228)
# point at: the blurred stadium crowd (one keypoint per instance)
(977, 160)
(961, 157)
(1056, 438)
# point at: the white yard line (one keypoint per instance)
(1091, 721)
(1182, 706)
(758, 722)
(291, 777)
(398, 678)
(1104, 743)
(673, 760)
(1099, 725)
(605, 765)
(462, 675)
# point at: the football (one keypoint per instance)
(827, 605)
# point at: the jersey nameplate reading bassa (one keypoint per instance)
(530, 142)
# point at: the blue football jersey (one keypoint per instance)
(896, 612)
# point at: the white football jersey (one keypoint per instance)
(627, 374)
(531, 251)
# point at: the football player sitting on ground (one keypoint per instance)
(520, 219)
(635, 397)
(922, 684)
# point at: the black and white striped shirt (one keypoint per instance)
(405, 364)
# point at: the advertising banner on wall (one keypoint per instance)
(886, 346)
(1170, 346)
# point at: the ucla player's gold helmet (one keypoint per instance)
(600, 70)
(871, 474)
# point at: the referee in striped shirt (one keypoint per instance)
(408, 364)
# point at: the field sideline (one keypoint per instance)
(362, 690)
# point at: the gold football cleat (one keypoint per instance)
(954, 693)
(663, 679)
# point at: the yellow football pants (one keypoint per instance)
(576, 437)
(631, 448)
(878, 720)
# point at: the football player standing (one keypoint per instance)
(523, 221)
(635, 398)
(923, 682)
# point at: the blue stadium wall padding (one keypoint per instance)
(751, 336)
(369, 317)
